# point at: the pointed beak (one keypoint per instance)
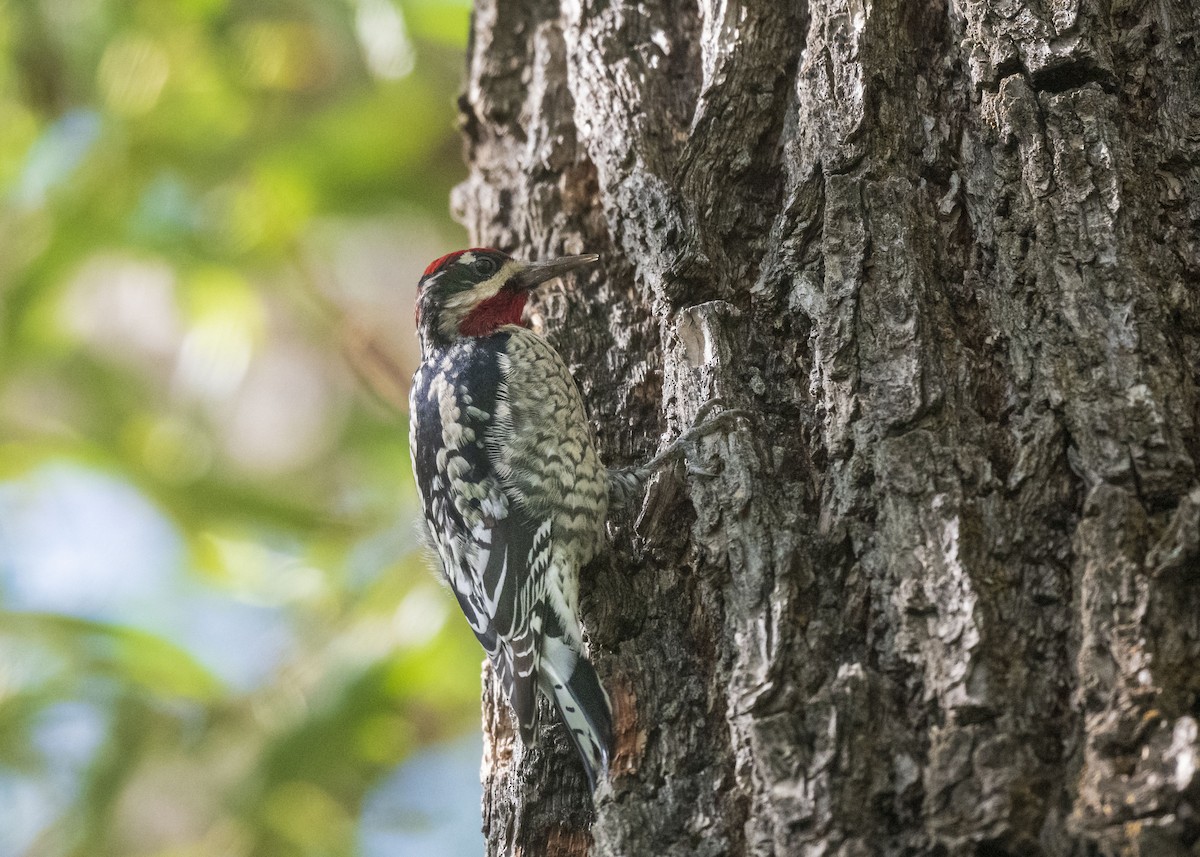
(536, 273)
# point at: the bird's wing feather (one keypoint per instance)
(515, 500)
(493, 551)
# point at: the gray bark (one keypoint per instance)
(943, 597)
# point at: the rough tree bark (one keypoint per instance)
(943, 597)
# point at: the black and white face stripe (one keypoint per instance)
(456, 284)
(476, 292)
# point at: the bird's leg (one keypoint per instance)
(625, 484)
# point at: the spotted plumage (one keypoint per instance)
(514, 495)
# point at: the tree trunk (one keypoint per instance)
(942, 597)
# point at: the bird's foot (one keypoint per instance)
(687, 444)
(626, 483)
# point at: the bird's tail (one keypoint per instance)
(571, 681)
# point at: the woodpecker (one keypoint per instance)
(513, 494)
(514, 497)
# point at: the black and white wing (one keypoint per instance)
(493, 552)
(515, 500)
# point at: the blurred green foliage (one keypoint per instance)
(217, 632)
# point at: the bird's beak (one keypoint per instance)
(536, 273)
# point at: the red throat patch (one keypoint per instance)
(504, 307)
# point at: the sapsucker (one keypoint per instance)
(514, 496)
(513, 493)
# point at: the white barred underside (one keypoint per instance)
(544, 453)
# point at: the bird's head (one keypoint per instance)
(475, 292)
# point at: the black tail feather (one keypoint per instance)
(582, 704)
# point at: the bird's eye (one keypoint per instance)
(484, 266)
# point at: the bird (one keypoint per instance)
(513, 494)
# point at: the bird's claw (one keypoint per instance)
(627, 482)
(704, 424)
(706, 409)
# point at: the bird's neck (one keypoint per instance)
(504, 307)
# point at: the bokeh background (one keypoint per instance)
(218, 634)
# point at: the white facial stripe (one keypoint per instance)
(459, 306)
